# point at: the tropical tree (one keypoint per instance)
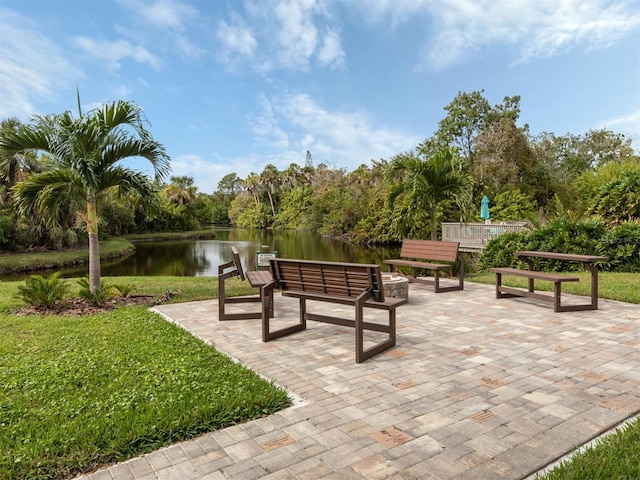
(87, 156)
(181, 190)
(468, 115)
(426, 182)
(14, 165)
(270, 179)
(251, 183)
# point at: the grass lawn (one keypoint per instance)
(78, 392)
(616, 456)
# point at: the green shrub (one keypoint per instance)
(43, 292)
(7, 229)
(124, 290)
(623, 247)
(99, 296)
(621, 244)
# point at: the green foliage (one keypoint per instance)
(116, 218)
(43, 292)
(590, 237)
(99, 295)
(623, 246)
(425, 183)
(512, 205)
(7, 229)
(619, 200)
(255, 216)
(294, 208)
(123, 289)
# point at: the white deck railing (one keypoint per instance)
(474, 236)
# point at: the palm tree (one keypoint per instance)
(425, 183)
(87, 156)
(181, 190)
(251, 184)
(270, 179)
(13, 165)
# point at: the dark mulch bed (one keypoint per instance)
(81, 306)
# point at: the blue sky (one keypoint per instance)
(231, 86)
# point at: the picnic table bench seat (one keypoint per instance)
(433, 255)
(354, 284)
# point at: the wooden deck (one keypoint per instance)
(472, 237)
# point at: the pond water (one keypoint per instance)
(201, 258)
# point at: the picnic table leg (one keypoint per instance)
(498, 284)
(594, 284)
(557, 291)
(530, 266)
(359, 330)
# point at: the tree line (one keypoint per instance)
(62, 181)
(478, 150)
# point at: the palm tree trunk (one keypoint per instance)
(273, 208)
(94, 246)
(432, 221)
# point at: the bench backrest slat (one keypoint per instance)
(333, 279)
(430, 250)
(236, 260)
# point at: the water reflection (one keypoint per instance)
(201, 258)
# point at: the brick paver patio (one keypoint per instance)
(476, 388)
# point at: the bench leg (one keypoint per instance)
(557, 291)
(360, 325)
(594, 285)
(359, 330)
(266, 295)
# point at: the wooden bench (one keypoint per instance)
(257, 279)
(354, 284)
(423, 254)
(528, 257)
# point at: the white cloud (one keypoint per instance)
(266, 127)
(280, 34)
(344, 139)
(236, 37)
(170, 18)
(114, 51)
(331, 53)
(285, 127)
(628, 124)
(208, 172)
(455, 29)
(32, 67)
(162, 14)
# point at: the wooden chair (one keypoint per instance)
(257, 279)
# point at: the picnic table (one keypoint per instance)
(528, 256)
